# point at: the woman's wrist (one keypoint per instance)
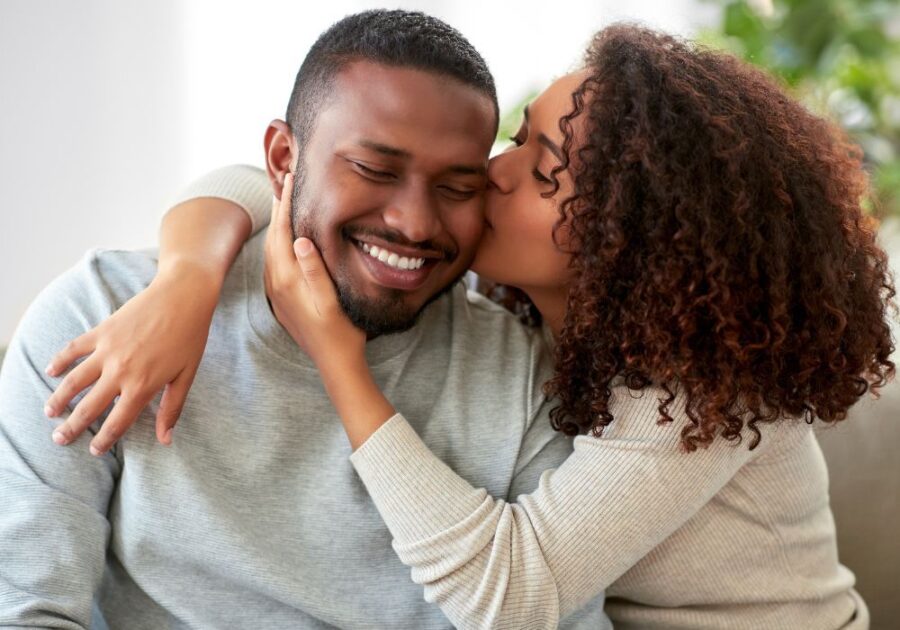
(357, 398)
(345, 377)
(206, 272)
(198, 284)
(201, 238)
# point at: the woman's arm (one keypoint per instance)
(487, 562)
(491, 563)
(157, 338)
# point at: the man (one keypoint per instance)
(254, 517)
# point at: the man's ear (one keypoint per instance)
(281, 153)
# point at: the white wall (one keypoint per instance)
(107, 107)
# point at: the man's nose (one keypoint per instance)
(414, 213)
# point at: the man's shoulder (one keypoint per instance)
(86, 294)
(485, 323)
(104, 279)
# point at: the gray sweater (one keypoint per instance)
(255, 516)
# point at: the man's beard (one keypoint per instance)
(384, 315)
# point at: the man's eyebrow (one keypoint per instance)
(384, 149)
(464, 169)
(547, 142)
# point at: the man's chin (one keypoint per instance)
(385, 315)
(378, 317)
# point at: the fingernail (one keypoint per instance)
(95, 450)
(60, 438)
(304, 246)
(49, 370)
(49, 411)
(167, 436)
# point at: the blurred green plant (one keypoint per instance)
(842, 58)
(511, 120)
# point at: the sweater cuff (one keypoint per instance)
(417, 494)
(246, 186)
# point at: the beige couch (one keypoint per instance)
(863, 457)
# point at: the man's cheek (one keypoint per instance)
(468, 228)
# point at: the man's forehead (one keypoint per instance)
(399, 90)
(409, 112)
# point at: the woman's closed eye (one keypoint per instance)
(541, 177)
(518, 141)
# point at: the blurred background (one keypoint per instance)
(108, 107)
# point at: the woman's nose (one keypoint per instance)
(500, 172)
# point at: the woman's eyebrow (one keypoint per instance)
(547, 142)
(554, 148)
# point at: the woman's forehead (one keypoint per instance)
(557, 98)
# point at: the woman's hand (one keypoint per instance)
(305, 302)
(303, 295)
(154, 341)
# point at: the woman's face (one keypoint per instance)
(517, 247)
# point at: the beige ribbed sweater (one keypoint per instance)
(720, 538)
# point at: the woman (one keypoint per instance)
(693, 241)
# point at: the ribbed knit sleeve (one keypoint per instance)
(490, 563)
(246, 186)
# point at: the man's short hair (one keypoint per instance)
(394, 38)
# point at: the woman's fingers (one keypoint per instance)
(318, 281)
(83, 376)
(75, 349)
(123, 415)
(284, 210)
(280, 273)
(171, 405)
(282, 234)
(125, 412)
(86, 412)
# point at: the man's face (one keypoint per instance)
(390, 188)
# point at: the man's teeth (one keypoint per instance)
(391, 259)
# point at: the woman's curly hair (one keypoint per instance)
(720, 248)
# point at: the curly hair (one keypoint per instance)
(720, 247)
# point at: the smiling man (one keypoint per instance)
(389, 186)
(255, 517)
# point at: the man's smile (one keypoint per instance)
(394, 266)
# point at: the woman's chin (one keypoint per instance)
(486, 268)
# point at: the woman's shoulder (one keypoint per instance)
(655, 416)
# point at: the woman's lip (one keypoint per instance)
(392, 278)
